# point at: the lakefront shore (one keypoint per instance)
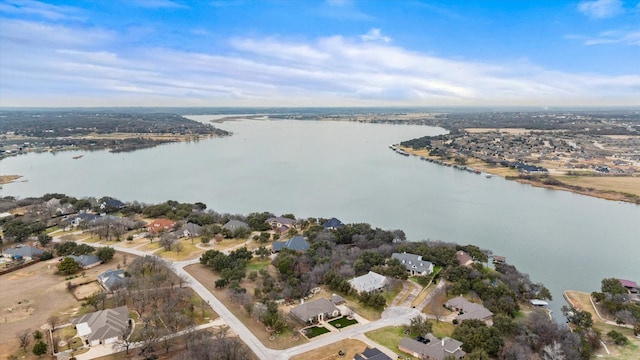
(599, 187)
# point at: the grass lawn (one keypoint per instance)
(256, 264)
(391, 294)
(442, 329)
(189, 251)
(330, 352)
(314, 331)
(342, 322)
(389, 337)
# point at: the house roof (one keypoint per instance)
(193, 229)
(628, 283)
(372, 354)
(112, 278)
(86, 217)
(281, 220)
(296, 243)
(368, 282)
(111, 202)
(85, 260)
(413, 262)
(103, 324)
(313, 308)
(337, 299)
(158, 224)
(469, 310)
(23, 251)
(333, 223)
(536, 302)
(235, 224)
(463, 258)
(435, 348)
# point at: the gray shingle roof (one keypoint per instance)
(112, 278)
(105, 324)
(469, 310)
(24, 251)
(296, 243)
(235, 224)
(414, 262)
(85, 260)
(435, 348)
(312, 309)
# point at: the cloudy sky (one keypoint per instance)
(319, 53)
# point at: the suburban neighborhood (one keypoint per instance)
(171, 280)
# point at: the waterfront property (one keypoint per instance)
(463, 258)
(370, 282)
(414, 263)
(432, 348)
(281, 224)
(468, 310)
(234, 225)
(103, 327)
(631, 286)
(333, 224)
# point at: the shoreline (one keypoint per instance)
(513, 174)
(8, 179)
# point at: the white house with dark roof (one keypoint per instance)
(369, 282)
(103, 327)
(468, 310)
(432, 348)
(414, 263)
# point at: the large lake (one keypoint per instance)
(346, 170)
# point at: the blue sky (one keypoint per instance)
(319, 53)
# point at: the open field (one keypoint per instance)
(627, 352)
(330, 352)
(207, 278)
(628, 184)
(33, 294)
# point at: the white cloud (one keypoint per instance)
(64, 69)
(375, 34)
(159, 4)
(601, 9)
(38, 8)
(622, 37)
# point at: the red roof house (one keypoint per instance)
(160, 225)
(628, 284)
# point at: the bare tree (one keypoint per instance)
(125, 341)
(53, 321)
(24, 338)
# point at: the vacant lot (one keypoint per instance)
(627, 184)
(389, 337)
(330, 352)
(32, 294)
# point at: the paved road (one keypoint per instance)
(393, 316)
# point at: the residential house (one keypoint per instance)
(499, 259)
(333, 224)
(103, 327)
(112, 279)
(25, 252)
(296, 243)
(234, 225)
(160, 225)
(189, 230)
(281, 224)
(369, 282)
(464, 259)
(315, 311)
(86, 261)
(432, 348)
(414, 263)
(371, 354)
(111, 204)
(469, 310)
(631, 286)
(82, 219)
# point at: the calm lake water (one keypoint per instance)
(346, 170)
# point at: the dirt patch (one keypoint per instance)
(6, 179)
(330, 352)
(85, 290)
(34, 294)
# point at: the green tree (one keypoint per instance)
(44, 239)
(105, 253)
(68, 266)
(420, 326)
(613, 286)
(40, 348)
(475, 334)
